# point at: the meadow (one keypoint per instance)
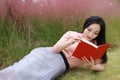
(17, 39)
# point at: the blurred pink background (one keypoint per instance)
(59, 8)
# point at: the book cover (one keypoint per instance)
(89, 49)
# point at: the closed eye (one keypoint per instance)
(96, 33)
(88, 29)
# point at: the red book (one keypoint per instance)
(88, 49)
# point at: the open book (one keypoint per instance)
(88, 49)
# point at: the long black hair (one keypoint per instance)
(101, 38)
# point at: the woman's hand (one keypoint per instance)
(74, 39)
(92, 64)
(66, 40)
(88, 64)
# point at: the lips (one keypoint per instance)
(88, 37)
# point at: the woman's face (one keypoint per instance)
(91, 32)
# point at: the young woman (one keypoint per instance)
(46, 63)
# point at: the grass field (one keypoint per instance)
(17, 40)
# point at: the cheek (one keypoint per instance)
(85, 32)
(95, 36)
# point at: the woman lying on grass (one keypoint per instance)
(46, 63)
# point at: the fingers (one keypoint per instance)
(85, 60)
(75, 39)
(92, 60)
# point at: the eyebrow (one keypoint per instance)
(92, 29)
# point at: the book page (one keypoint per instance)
(83, 39)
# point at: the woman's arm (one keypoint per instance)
(65, 41)
(61, 44)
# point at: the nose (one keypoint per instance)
(90, 34)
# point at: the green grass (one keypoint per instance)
(17, 40)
